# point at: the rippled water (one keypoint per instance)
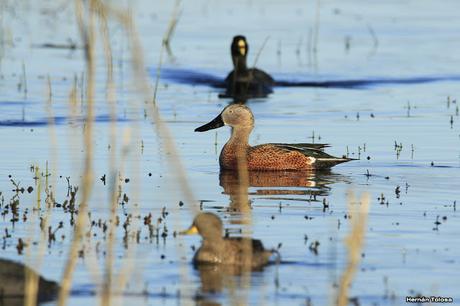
(406, 253)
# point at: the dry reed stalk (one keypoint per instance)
(111, 100)
(127, 267)
(375, 40)
(243, 181)
(125, 271)
(24, 79)
(52, 134)
(161, 128)
(158, 74)
(31, 279)
(354, 243)
(38, 186)
(171, 27)
(165, 44)
(90, 258)
(256, 59)
(141, 82)
(73, 98)
(259, 52)
(73, 101)
(31, 286)
(239, 201)
(87, 33)
(31, 283)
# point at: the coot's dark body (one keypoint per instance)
(242, 82)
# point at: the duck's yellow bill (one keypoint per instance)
(191, 231)
(242, 47)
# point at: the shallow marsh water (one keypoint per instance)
(406, 253)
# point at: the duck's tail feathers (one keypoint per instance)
(331, 161)
(302, 146)
(315, 150)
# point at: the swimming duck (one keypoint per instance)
(271, 156)
(243, 82)
(216, 249)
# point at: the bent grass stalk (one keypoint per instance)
(171, 27)
(165, 44)
(259, 52)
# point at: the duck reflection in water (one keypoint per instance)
(279, 185)
(218, 279)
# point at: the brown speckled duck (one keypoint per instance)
(216, 249)
(271, 156)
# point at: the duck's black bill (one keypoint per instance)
(214, 124)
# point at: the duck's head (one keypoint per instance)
(234, 115)
(239, 46)
(207, 224)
